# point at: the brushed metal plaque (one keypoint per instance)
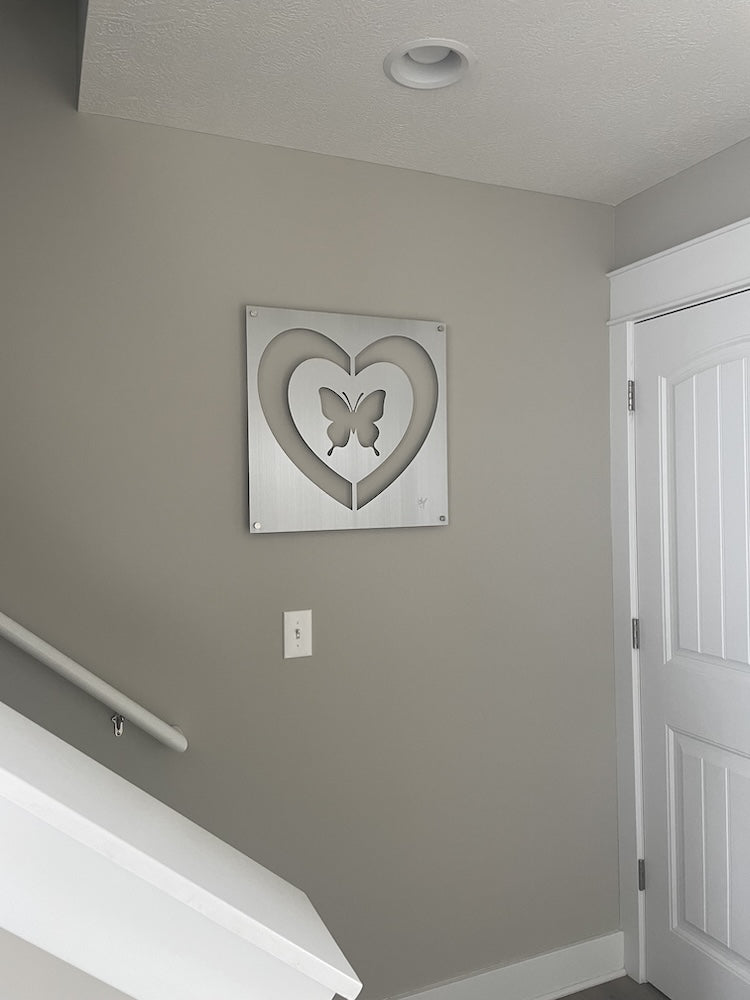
(346, 421)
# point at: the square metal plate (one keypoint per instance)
(346, 421)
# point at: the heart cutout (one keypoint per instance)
(290, 349)
(351, 422)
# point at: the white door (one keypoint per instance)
(693, 520)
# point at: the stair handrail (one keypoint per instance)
(124, 708)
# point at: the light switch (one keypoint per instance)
(297, 633)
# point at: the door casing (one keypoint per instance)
(705, 268)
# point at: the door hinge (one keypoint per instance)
(631, 395)
(635, 630)
(641, 875)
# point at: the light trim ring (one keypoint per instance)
(428, 63)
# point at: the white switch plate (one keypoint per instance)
(297, 633)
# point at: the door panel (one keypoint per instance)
(709, 509)
(693, 522)
(709, 816)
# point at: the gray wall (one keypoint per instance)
(27, 973)
(440, 775)
(705, 197)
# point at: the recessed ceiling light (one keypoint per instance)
(428, 63)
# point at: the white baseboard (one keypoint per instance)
(546, 977)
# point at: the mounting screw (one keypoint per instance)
(443, 517)
(119, 724)
(441, 328)
(253, 312)
(257, 525)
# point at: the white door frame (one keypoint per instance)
(706, 268)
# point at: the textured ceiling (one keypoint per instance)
(595, 99)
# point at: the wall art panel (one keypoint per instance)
(346, 421)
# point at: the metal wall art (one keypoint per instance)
(346, 421)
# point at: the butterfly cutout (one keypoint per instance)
(346, 419)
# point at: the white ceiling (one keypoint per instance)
(595, 99)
